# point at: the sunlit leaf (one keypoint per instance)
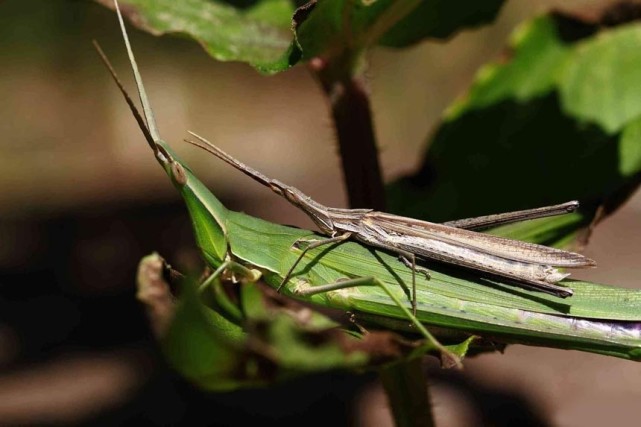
(540, 128)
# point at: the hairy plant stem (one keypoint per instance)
(339, 76)
(404, 382)
(350, 107)
(406, 388)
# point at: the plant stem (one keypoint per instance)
(406, 388)
(352, 116)
(339, 76)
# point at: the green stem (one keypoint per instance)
(406, 387)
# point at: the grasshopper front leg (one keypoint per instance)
(404, 256)
(316, 244)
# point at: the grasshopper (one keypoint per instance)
(525, 264)
(599, 319)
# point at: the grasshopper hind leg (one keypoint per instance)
(424, 271)
(409, 260)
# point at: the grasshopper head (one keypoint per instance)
(317, 212)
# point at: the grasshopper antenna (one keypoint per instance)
(130, 102)
(211, 148)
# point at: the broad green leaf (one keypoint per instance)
(440, 19)
(269, 36)
(601, 83)
(521, 139)
(532, 70)
(259, 35)
(335, 26)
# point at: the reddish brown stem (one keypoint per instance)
(352, 116)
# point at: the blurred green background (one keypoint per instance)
(82, 200)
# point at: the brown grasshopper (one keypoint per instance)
(527, 265)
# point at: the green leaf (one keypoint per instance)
(259, 35)
(538, 54)
(278, 340)
(520, 139)
(334, 26)
(203, 345)
(630, 149)
(601, 83)
(262, 35)
(440, 19)
(294, 345)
